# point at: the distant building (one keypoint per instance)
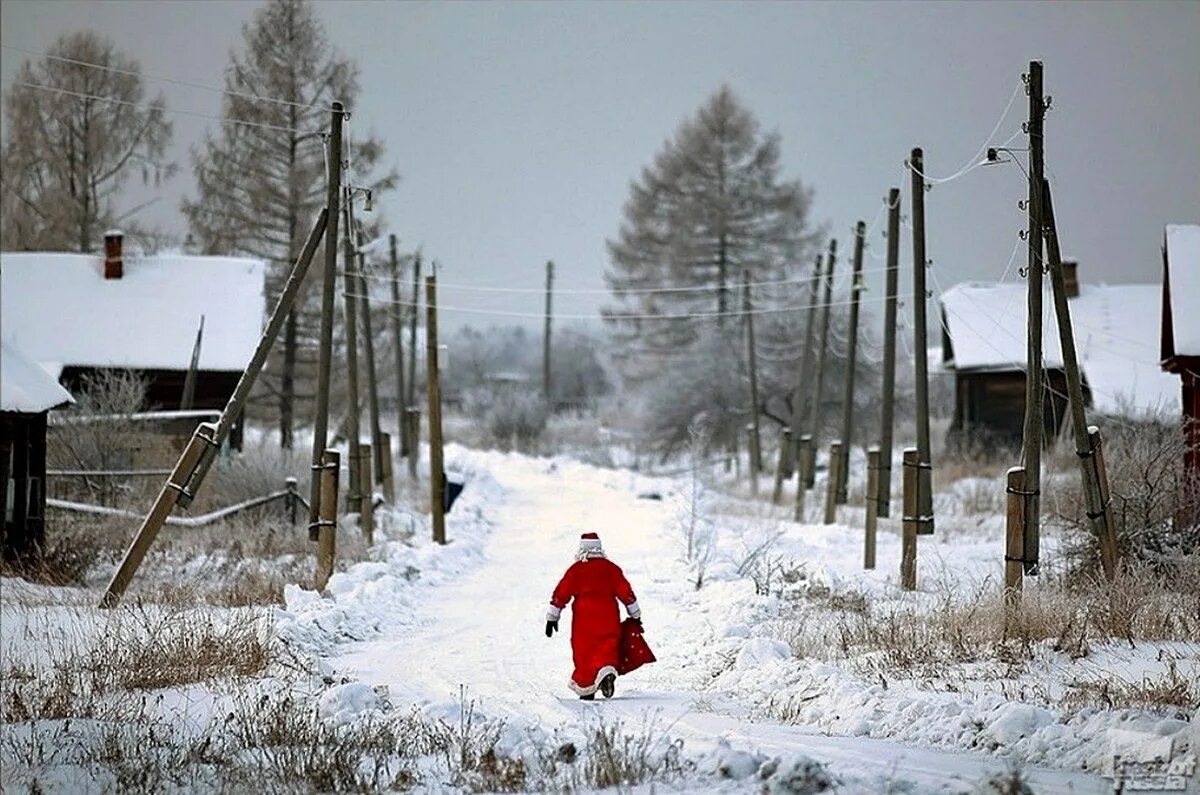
(76, 314)
(27, 394)
(983, 345)
(1180, 330)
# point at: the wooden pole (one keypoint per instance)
(782, 465)
(327, 501)
(190, 471)
(372, 375)
(188, 400)
(1031, 448)
(397, 316)
(1108, 541)
(1097, 508)
(333, 198)
(366, 506)
(388, 475)
(1014, 538)
(411, 400)
(413, 417)
(804, 462)
(908, 539)
(856, 288)
(353, 432)
(892, 288)
(835, 463)
(872, 504)
(752, 358)
(924, 514)
(436, 474)
(546, 383)
(815, 404)
(800, 395)
(292, 500)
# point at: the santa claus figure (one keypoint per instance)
(595, 584)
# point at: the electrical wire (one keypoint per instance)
(971, 163)
(164, 109)
(162, 79)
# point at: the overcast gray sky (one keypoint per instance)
(517, 127)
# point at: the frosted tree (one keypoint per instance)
(78, 125)
(711, 206)
(260, 185)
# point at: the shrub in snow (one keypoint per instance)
(513, 419)
(798, 776)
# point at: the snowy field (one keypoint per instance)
(428, 667)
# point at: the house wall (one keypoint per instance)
(22, 483)
(992, 405)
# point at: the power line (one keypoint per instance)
(163, 79)
(164, 109)
(971, 163)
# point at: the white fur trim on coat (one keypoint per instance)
(553, 613)
(633, 610)
(587, 691)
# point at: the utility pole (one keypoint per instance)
(856, 287)
(333, 197)
(414, 438)
(377, 451)
(1031, 447)
(755, 436)
(800, 397)
(188, 400)
(398, 334)
(924, 462)
(546, 336)
(815, 405)
(350, 284)
(884, 497)
(1094, 478)
(433, 388)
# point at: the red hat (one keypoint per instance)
(589, 541)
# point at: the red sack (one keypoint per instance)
(635, 652)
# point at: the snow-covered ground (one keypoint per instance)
(751, 691)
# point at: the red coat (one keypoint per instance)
(595, 585)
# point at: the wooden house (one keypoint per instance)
(27, 394)
(1180, 330)
(76, 314)
(984, 346)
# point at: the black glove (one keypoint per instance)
(551, 626)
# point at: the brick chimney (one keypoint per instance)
(1071, 277)
(114, 262)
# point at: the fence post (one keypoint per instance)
(1014, 541)
(331, 463)
(366, 505)
(803, 463)
(386, 474)
(872, 501)
(782, 465)
(831, 484)
(908, 541)
(413, 416)
(290, 501)
(755, 457)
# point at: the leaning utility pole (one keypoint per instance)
(755, 435)
(799, 396)
(815, 404)
(884, 496)
(924, 462)
(1031, 446)
(377, 451)
(397, 315)
(546, 336)
(350, 285)
(188, 400)
(856, 287)
(1094, 478)
(437, 475)
(333, 197)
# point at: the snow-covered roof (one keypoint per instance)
(25, 387)
(1181, 261)
(61, 311)
(1116, 335)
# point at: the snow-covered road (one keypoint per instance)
(484, 630)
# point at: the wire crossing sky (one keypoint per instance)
(517, 127)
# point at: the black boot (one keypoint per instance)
(608, 686)
(588, 697)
